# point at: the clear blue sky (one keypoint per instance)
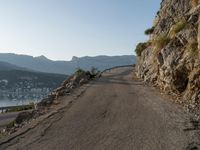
(60, 29)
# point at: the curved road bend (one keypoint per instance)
(116, 112)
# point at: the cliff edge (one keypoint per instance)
(170, 58)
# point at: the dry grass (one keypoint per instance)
(155, 22)
(160, 42)
(176, 28)
(194, 3)
(193, 48)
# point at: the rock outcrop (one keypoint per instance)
(172, 58)
(79, 78)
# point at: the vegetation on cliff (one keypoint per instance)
(172, 60)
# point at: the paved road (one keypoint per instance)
(115, 113)
(6, 118)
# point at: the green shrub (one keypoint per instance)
(79, 71)
(149, 31)
(140, 47)
(160, 42)
(179, 26)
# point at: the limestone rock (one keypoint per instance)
(175, 67)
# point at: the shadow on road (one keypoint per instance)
(193, 146)
(195, 125)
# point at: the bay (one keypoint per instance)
(7, 102)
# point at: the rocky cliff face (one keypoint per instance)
(171, 57)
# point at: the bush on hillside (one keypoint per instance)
(149, 31)
(140, 47)
(79, 71)
(94, 72)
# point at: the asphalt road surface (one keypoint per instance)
(7, 117)
(116, 112)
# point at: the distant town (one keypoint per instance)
(24, 90)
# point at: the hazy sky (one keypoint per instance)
(60, 29)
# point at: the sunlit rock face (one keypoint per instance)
(173, 61)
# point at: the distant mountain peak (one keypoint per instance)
(74, 58)
(42, 57)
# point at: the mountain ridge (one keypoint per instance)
(43, 64)
(4, 66)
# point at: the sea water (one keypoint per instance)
(7, 102)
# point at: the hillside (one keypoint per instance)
(171, 57)
(4, 66)
(26, 85)
(41, 79)
(43, 64)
